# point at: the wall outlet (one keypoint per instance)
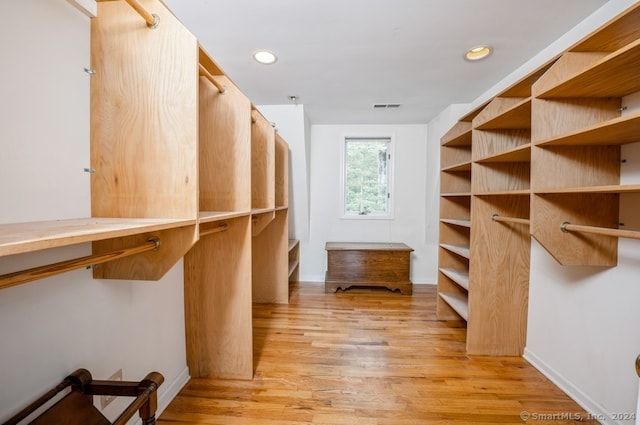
(105, 400)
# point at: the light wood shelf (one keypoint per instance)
(617, 131)
(461, 277)
(459, 135)
(457, 302)
(628, 188)
(18, 238)
(460, 250)
(610, 75)
(461, 223)
(521, 192)
(455, 194)
(210, 216)
(505, 113)
(520, 153)
(463, 166)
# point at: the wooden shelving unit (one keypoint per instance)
(544, 152)
(455, 224)
(578, 130)
(294, 260)
(178, 170)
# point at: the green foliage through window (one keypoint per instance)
(367, 176)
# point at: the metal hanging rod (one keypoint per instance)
(221, 228)
(567, 227)
(499, 218)
(49, 270)
(151, 19)
(206, 74)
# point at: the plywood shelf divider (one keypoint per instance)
(461, 277)
(567, 227)
(24, 276)
(457, 302)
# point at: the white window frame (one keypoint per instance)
(390, 175)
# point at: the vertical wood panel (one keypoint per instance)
(225, 148)
(143, 115)
(219, 334)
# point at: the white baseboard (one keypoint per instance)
(586, 402)
(312, 278)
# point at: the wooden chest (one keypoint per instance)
(368, 264)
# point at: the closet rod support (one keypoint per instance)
(498, 218)
(151, 19)
(206, 74)
(24, 276)
(567, 227)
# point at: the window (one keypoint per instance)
(367, 177)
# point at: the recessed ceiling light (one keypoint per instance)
(265, 57)
(477, 53)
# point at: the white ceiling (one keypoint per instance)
(339, 57)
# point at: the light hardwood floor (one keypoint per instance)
(369, 357)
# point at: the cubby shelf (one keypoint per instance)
(463, 166)
(504, 193)
(518, 154)
(460, 250)
(617, 131)
(455, 222)
(513, 113)
(610, 75)
(210, 216)
(458, 302)
(461, 277)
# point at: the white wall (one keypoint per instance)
(50, 327)
(584, 322)
(408, 224)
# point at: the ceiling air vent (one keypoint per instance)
(385, 105)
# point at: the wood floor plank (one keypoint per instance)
(369, 357)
